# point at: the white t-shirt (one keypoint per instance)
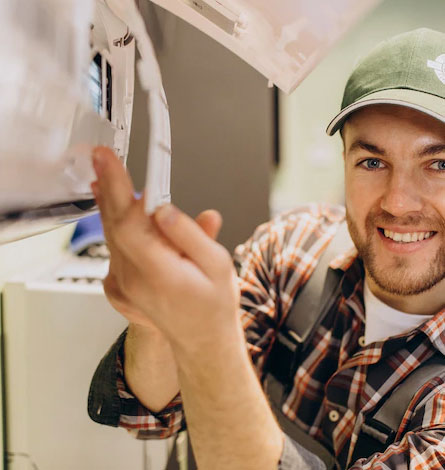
(383, 321)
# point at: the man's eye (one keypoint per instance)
(372, 164)
(439, 165)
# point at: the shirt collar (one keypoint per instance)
(354, 273)
(345, 260)
(435, 330)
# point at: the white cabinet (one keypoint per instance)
(55, 334)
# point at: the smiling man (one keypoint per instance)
(395, 193)
(383, 321)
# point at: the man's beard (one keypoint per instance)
(401, 278)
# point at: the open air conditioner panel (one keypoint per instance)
(68, 79)
(68, 88)
(282, 39)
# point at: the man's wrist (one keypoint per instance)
(225, 341)
(141, 338)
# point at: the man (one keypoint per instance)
(177, 288)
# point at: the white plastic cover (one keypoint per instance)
(282, 39)
(48, 125)
(43, 50)
(157, 185)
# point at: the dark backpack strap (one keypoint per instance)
(309, 308)
(310, 302)
(380, 427)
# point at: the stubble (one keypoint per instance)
(398, 276)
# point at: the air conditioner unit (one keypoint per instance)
(67, 85)
(282, 39)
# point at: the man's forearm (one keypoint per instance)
(149, 367)
(184, 283)
(228, 417)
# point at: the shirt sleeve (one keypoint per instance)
(273, 265)
(416, 451)
(110, 401)
(296, 457)
(421, 447)
(257, 264)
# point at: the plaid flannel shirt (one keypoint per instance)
(338, 380)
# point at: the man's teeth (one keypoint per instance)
(407, 237)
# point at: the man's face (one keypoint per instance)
(395, 196)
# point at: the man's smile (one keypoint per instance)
(404, 240)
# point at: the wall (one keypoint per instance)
(223, 130)
(312, 168)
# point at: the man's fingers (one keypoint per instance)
(189, 238)
(114, 186)
(210, 221)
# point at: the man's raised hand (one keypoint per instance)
(166, 270)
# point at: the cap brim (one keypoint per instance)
(424, 102)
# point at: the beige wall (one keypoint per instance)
(312, 168)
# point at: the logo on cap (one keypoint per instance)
(439, 67)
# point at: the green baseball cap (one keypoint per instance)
(406, 70)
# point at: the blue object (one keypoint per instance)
(89, 231)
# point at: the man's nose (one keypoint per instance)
(402, 195)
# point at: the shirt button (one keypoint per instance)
(334, 416)
(362, 341)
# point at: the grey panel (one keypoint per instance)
(223, 127)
